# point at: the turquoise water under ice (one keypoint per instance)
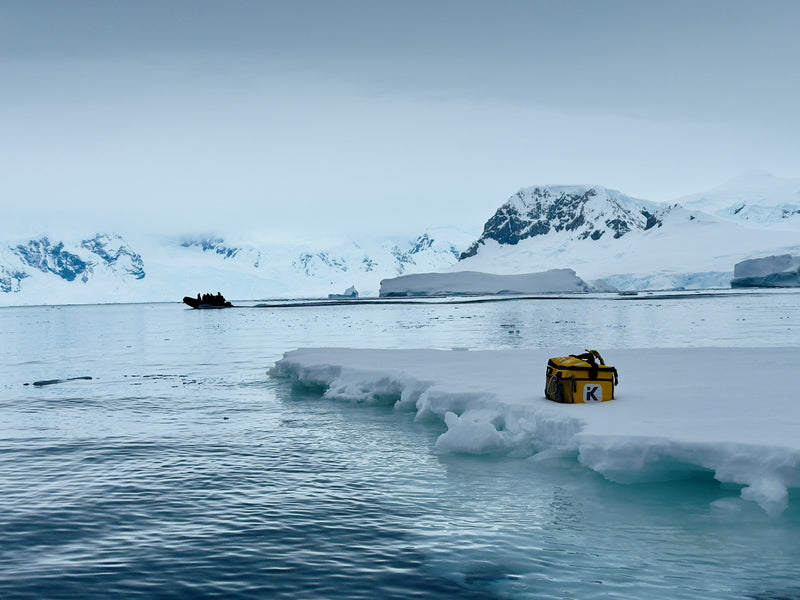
(181, 470)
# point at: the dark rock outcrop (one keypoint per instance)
(586, 212)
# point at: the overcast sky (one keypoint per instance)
(369, 117)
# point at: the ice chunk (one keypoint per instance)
(350, 292)
(677, 412)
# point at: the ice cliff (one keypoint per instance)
(769, 271)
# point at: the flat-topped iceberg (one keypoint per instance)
(677, 412)
(769, 271)
(462, 283)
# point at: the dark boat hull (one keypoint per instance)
(199, 304)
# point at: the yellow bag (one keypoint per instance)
(577, 379)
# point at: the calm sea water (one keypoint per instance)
(181, 470)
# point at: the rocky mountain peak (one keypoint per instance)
(53, 258)
(587, 212)
(114, 252)
(74, 262)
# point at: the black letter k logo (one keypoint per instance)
(589, 396)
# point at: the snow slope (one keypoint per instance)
(676, 412)
(755, 199)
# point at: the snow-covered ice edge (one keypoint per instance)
(677, 412)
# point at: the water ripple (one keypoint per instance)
(180, 471)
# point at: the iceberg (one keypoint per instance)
(350, 292)
(474, 283)
(769, 271)
(677, 412)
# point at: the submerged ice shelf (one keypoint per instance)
(677, 412)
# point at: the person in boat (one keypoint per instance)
(208, 299)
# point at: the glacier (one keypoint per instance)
(677, 412)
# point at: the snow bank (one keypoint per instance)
(476, 283)
(769, 271)
(733, 412)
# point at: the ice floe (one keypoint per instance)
(677, 412)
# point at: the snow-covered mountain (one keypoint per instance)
(102, 257)
(598, 232)
(755, 200)
(632, 243)
(107, 268)
(582, 211)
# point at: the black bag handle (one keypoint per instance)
(593, 357)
